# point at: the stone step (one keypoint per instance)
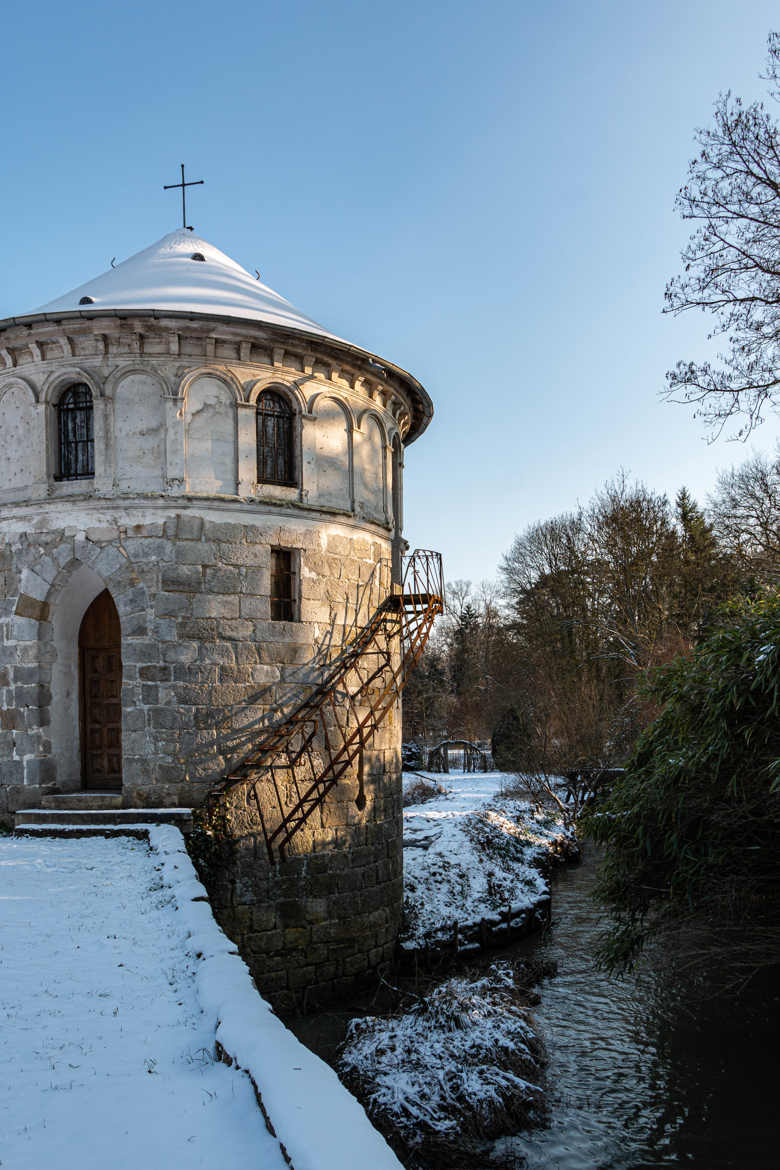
(82, 800)
(95, 818)
(141, 832)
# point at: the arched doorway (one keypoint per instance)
(100, 679)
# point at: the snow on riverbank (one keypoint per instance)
(113, 986)
(473, 853)
(456, 1065)
(462, 1062)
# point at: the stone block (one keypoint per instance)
(135, 625)
(11, 772)
(300, 976)
(180, 652)
(129, 575)
(142, 651)
(108, 561)
(163, 629)
(133, 719)
(173, 604)
(254, 555)
(167, 718)
(222, 580)
(102, 535)
(222, 606)
(189, 527)
(199, 552)
(154, 673)
(32, 696)
(337, 546)
(198, 629)
(215, 530)
(235, 629)
(295, 937)
(37, 717)
(149, 549)
(268, 631)
(39, 771)
(246, 654)
(217, 652)
(34, 585)
(31, 674)
(265, 942)
(32, 608)
(256, 608)
(256, 582)
(181, 578)
(292, 914)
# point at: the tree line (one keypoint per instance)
(549, 663)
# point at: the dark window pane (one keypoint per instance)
(284, 589)
(75, 433)
(275, 454)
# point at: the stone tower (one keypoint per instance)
(200, 504)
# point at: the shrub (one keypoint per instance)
(691, 828)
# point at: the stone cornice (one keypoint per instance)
(242, 511)
(154, 334)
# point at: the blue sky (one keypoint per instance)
(481, 193)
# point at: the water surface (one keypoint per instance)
(638, 1076)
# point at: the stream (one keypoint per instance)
(636, 1079)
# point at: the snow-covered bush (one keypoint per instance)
(462, 1062)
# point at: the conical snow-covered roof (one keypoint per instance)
(184, 273)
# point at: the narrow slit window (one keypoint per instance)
(75, 433)
(275, 433)
(284, 585)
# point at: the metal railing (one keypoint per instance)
(298, 761)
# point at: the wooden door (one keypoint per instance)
(100, 657)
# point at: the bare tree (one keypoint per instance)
(745, 510)
(731, 264)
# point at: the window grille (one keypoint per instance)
(275, 455)
(76, 440)
(284, 585)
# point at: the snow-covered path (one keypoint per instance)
(106, 1058)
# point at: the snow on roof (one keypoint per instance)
(184, 273)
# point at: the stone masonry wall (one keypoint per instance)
(204, 667)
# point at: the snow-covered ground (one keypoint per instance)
(107, 1056)
(114, 986)
(472, 853)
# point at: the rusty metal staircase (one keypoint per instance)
(304, 756)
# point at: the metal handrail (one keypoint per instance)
(313, 738)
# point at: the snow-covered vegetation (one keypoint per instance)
(461, 1062)
(473, 853)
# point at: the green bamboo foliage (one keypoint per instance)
(692, 828)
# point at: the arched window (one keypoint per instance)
(75, 435)
(275, 433)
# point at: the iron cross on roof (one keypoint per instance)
(183, 185)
